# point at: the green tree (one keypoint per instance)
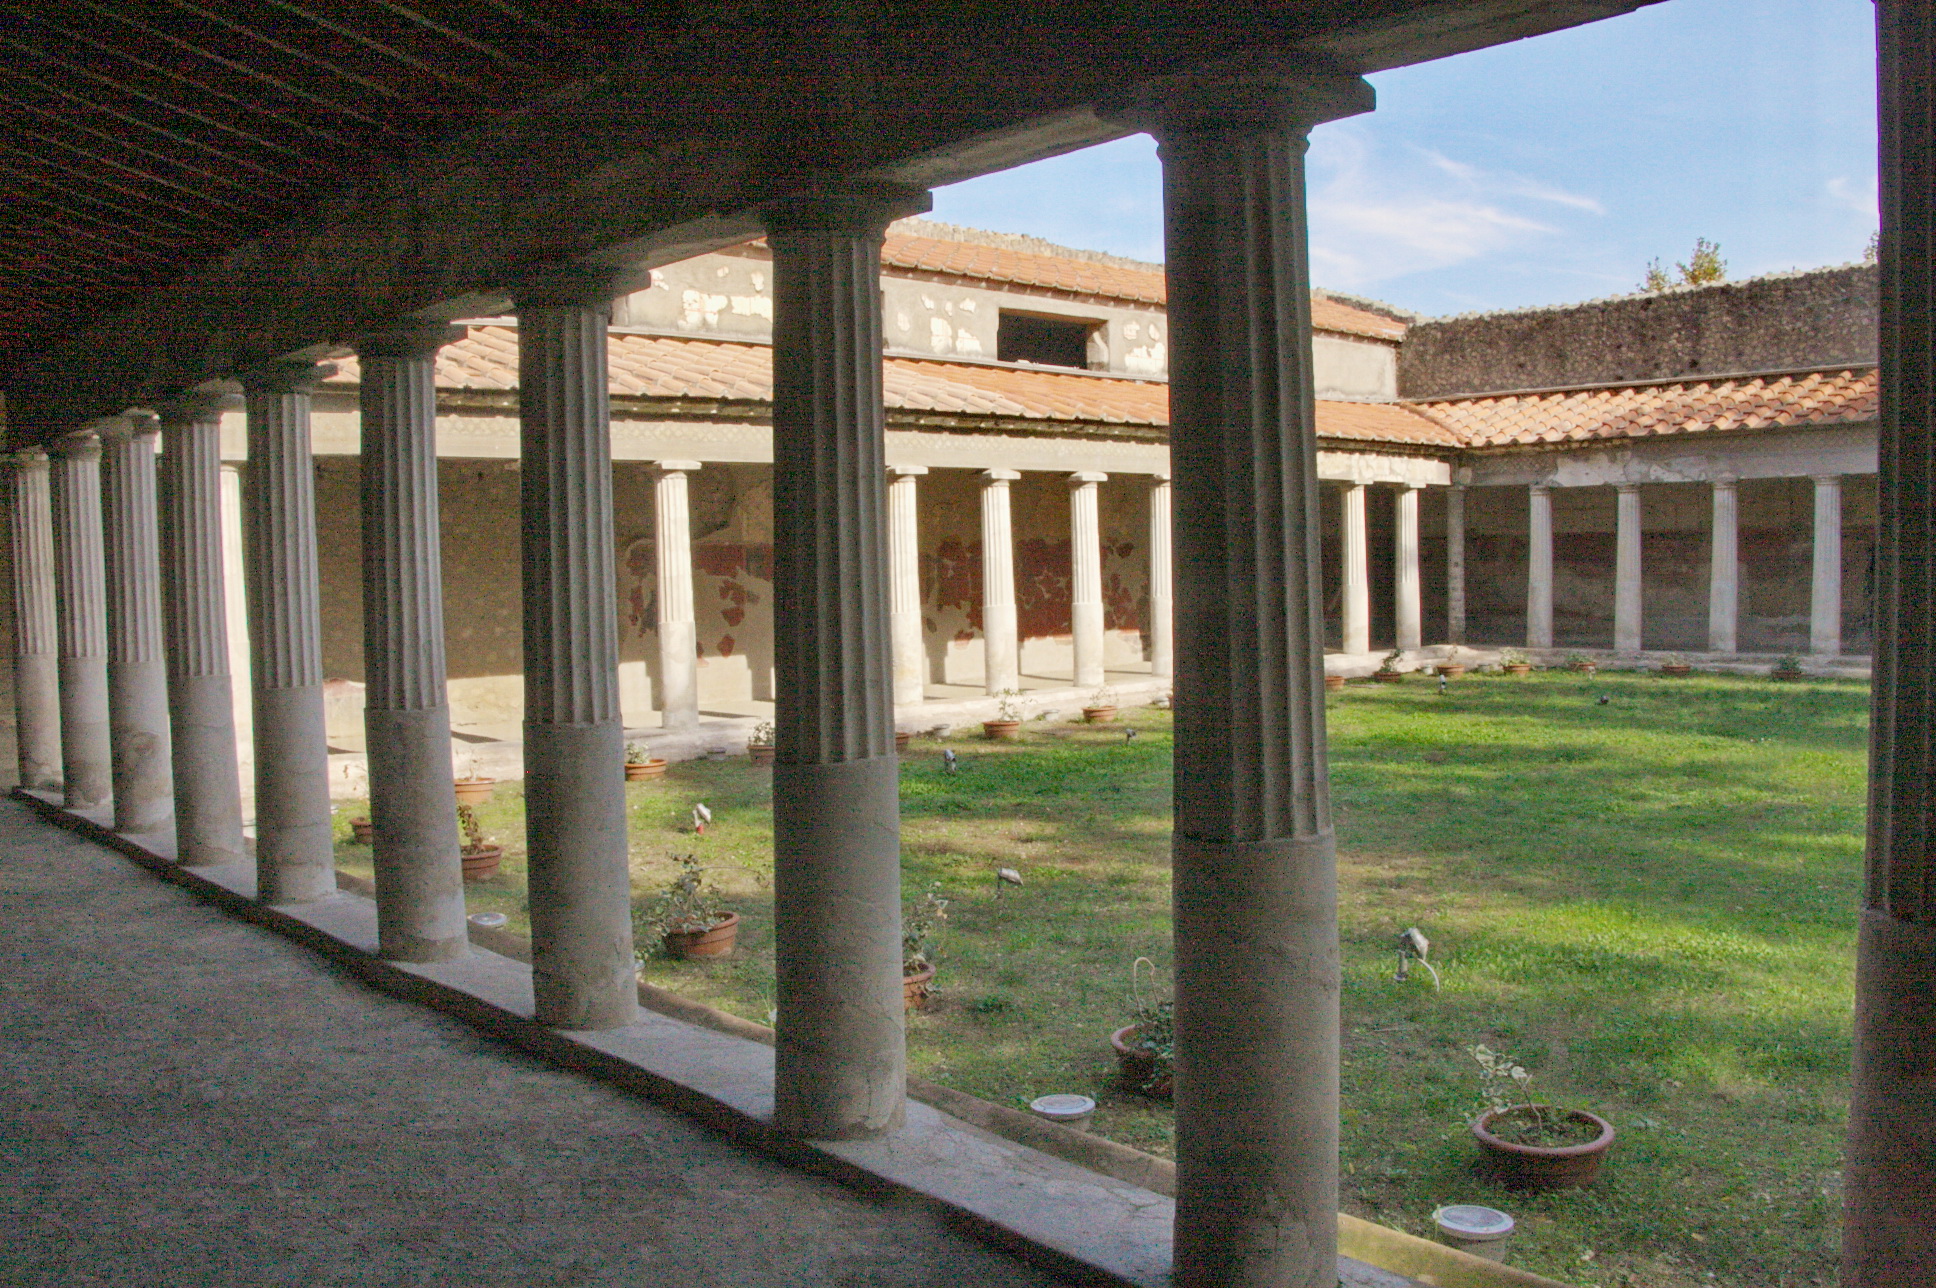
(1705, 265)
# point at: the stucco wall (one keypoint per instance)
(1783, 322)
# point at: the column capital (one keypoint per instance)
(1245, 94)
(286, 376)
(1000, 476)
(82, 444)
(592, 286)
(195, 406)
(407, 338)
(1824, 480)
(135, 425)
(1541, 488)
(660, 469)
(856, 207)
(26, 458)
(1082, 477)
(1724, 482)
(1159, 478)
(1626, 487)
(907, 471)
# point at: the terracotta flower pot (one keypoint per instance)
(1517, 668)
(1387, 677)
(715, 941)
(1786, 676)
(1001, 730)
(901, 737)
(914, 988)
(1099, 715)
(362, 831)
(1451, 670)
(653, 768)
(1334, 682)
(475, 791)
(1137, 1067)
(1542, 1167)
(1675, 668)
(1584, 668)
(762, 752)
(482, 862)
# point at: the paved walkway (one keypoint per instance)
(187, 1100)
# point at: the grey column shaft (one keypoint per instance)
(1162, 609)
(904, 584)
(201, 699)
(294, 855)
(1355, 631)
(406, 715)
(1000, 635)
(574, 736)
(678, 631)
(1724, 569)
(1408, 604)
(840, 1057)
(1539, 568)
(36, 641)
(1825, 586)
(1627, 570)
(80, 579)
(144, 788)
(1455, 564)
(1889, 1235)
(1254, 875)
(1085, 578)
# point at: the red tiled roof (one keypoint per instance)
(649, 366)
(1649, 410)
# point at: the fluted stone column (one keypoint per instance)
(1626, 569)
(144, 788)
(201, 699)
(36, 641)
(1000, 635)
(840, 1059)
(678, 630)
(1355, 630)
(1724, 569)
(1254, 866)
(904, 584)
(406, 712)
(80, 581)
(1161, 579)
(1539, 568)
(235, 603)
(294, 857)
(574, 737)
(1825, 587)
(1455, 564)
(1408, 606)
(1085, 577)
(1889, 1234)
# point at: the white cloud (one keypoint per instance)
(1861, 198)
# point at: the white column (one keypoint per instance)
(144, 786)
(1724, 570)
(80, 582)
(1825, 588)
(1355, 634)
(235, 608)
(1001, 645)
(1161, 623)
(678, 632)
(904, 584)
(1626, 569)
(1539, 568)
(1407, 608)
(1455, 564)
(1085, 560)
(36, 657)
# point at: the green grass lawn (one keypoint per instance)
(1649, 903)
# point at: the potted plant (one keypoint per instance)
(1146, 1047)
(901, 739)
(1388, 672)
(1513, 661)
(1333, 682)
(1451, 670)
(1582, 663)
(641, 764)
(1788, 668)
(1101, 708)
(1527, 1143)
(480, 858)
(760, 745)
(920, 923)
(1674, 664)
(688, 916)
(362, 831)
(475, 789)
(1007, 724)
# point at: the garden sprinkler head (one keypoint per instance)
(700, 817)
(1441, 686)
(948, 760)
(1129, 736)
(1413, 947)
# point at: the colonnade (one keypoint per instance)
(1355, 571)
(1724, 575)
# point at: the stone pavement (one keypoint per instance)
(188, 1100)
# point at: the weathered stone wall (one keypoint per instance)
(1783, 322)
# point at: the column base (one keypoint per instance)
(144, 786)
(87, 759)
(208, 787)
(582, 972)
(419, 875)
(295, 859)
(840, 1050)
(36, 687)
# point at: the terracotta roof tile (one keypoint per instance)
(1650, 410)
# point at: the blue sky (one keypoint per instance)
(1548, 170)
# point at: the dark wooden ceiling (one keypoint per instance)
(141, 137)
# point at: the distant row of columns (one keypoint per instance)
(1724, 577)
(1355, 572)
